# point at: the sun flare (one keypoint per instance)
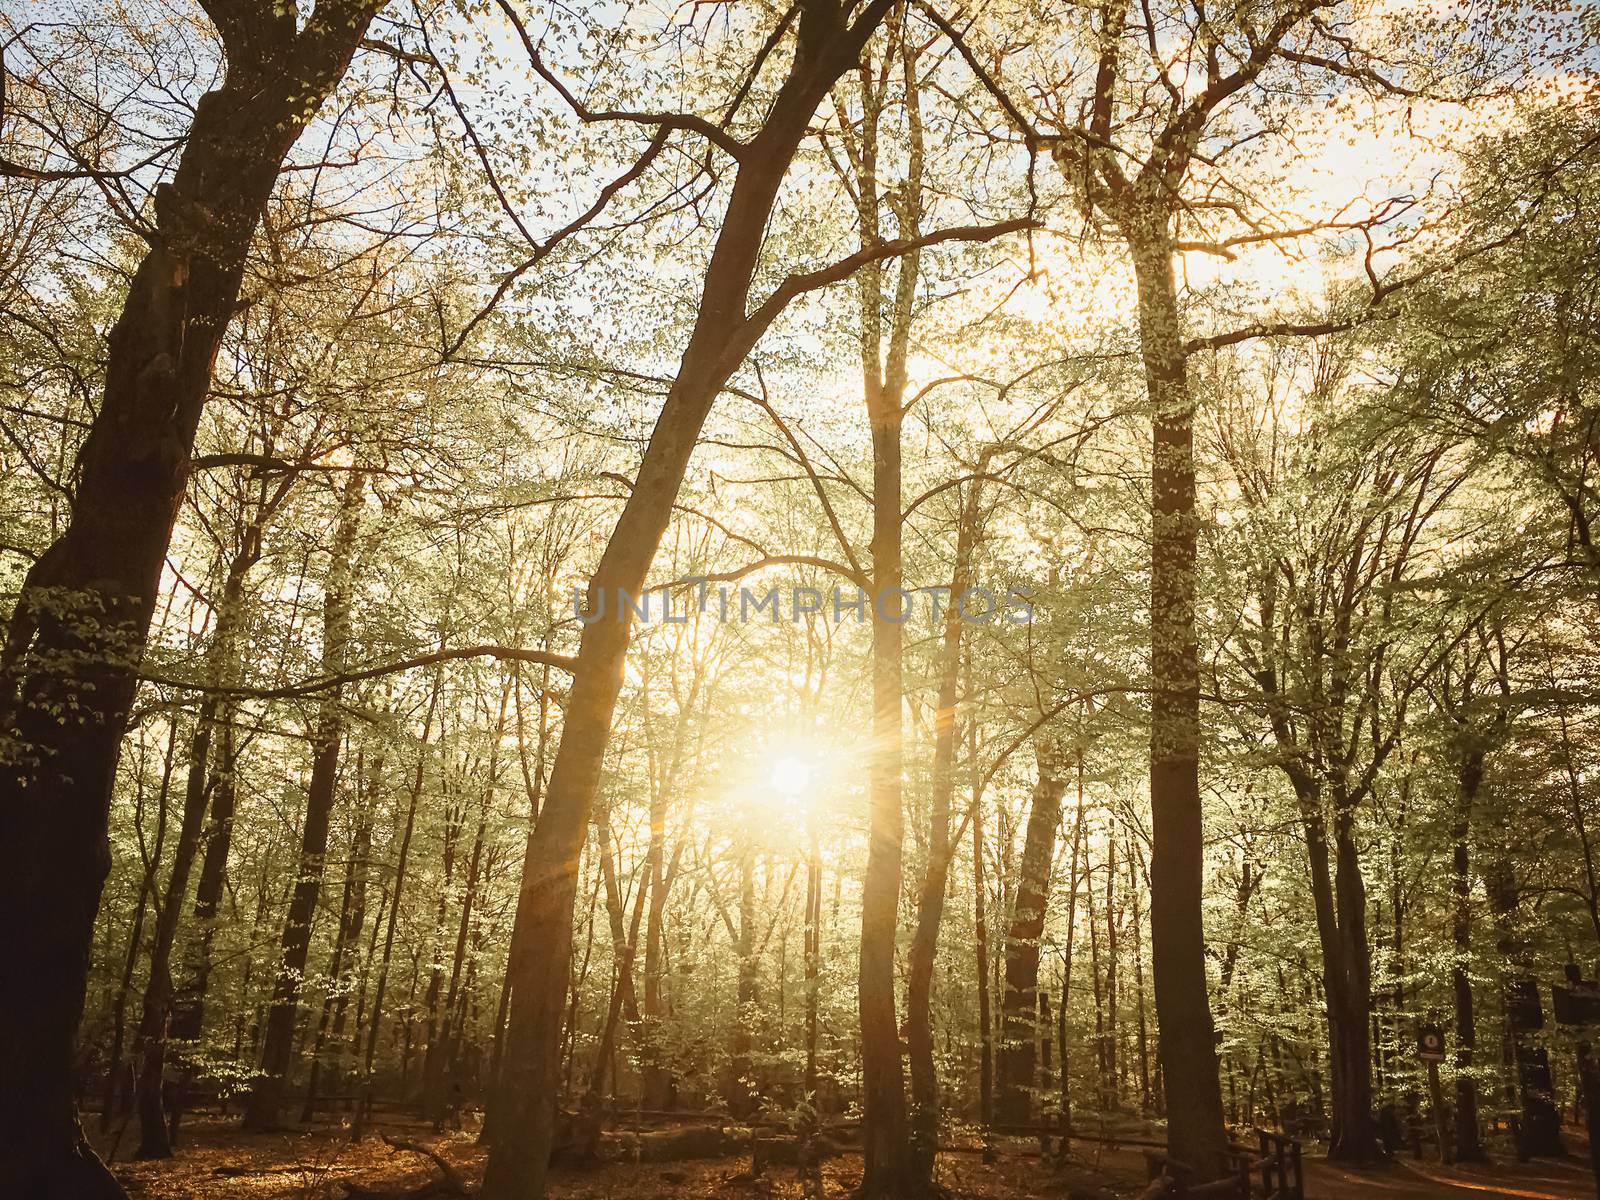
(791, 775)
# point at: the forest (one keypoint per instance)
(893, 599)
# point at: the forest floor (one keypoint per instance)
(218, 1162)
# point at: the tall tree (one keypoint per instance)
(267, 1098)
(75, 635)
(827, 43)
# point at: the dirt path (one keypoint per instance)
(1568, 1179)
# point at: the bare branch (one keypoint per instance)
(311, 687)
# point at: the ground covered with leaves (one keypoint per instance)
(218, 1162)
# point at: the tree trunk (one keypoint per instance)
(188, 1007)
(890, 1169)
(741, 1085)
(1339, 896)
(723, 333)
(1074, 875)
(1468, 778)
(660, 1091)
(78, 628)
(160, 999)
(624, 945)
(117, 1079)
(1186, 1046)
(1020, 1004)
(352, 914)
(265, 1107)
(930, 902)
(154, 1140)
(813, 961)
(402, 857)
(1113, 1093)
(980, 946)
(1540, 1132)
(188, 1003)
(1143, 1036)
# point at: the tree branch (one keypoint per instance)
(545, 658)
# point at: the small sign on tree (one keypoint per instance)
(1430, 1044)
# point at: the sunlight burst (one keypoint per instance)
(791, 776)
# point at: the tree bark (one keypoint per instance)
(1020, 1003)
(890, 1167)
(1186, 1046)
(1074, 876)
(79, 626)
(352, 915)
(723, 333)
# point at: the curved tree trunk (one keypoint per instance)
(79, 626)
(724, 332)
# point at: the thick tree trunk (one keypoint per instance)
(1187, 1040)
(723, 333)
(1339, 896)
(265, 1107)
(80, 624)
(1020, 1004)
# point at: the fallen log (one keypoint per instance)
(577, 1138)
(673, 1145)
(449, 1184)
